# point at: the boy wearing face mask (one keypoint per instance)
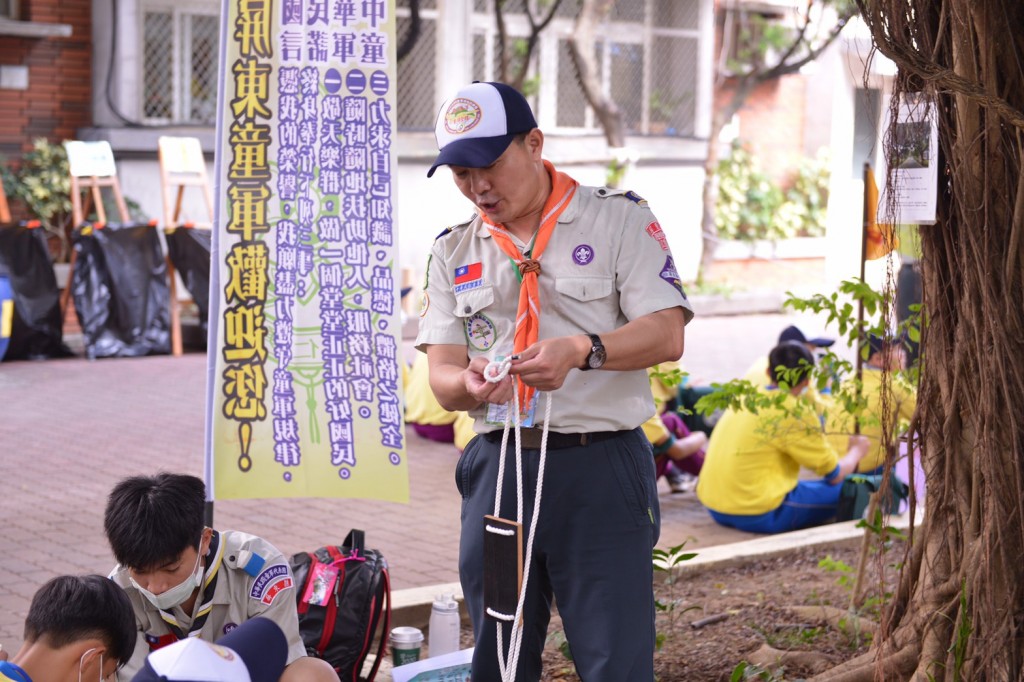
(184, 579)
(78, 628)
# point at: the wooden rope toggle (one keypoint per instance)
(529, 265)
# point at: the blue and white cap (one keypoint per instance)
(477, 125)
(255, 651)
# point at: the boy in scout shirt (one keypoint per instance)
(579, 284)
(184, 579)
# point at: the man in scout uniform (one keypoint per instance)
(578, 284)
(78, 628)
(187, 580)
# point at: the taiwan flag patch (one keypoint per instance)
(468, 276)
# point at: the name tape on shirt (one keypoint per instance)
(468, 276)
(270, 583)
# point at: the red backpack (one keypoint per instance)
(344, 604)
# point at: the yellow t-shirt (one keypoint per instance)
(655, 430)
(754, 460)
(840, 425)
(421, 407)
(463, 427)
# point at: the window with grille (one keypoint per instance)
(647, 59)
(8, 9)
(179, 64)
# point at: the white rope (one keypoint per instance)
(494, 372)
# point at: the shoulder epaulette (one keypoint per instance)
(449, 230)
(605, 192)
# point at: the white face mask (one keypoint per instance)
(176, 595)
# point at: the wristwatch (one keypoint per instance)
(597, 355)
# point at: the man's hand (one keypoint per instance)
(482, 390)
(545, 364)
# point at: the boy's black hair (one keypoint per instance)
(790, 362)
(151, 520)
(70, 608)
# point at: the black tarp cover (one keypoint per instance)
(37, 330)
(189, 250)
(120, 290)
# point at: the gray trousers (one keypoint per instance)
(599, 522)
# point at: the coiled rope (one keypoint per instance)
(495, 371)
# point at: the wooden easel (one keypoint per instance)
(181, 165)
(91, 169)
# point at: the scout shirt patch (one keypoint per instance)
(670, 275)
(480, 332)
(160, 641)
(583, 254)
(654, 230)
(468, 277)
(270, 583)
(636, 198)
(424, 303)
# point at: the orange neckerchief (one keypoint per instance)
(528, 315)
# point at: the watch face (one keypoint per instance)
(597, 357)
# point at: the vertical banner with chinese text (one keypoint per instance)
(304, 386)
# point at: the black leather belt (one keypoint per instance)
(556, 441)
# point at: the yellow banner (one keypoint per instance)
(304, 389)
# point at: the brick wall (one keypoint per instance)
(772, 123)
(59, 97)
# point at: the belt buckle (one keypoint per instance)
(530, 438)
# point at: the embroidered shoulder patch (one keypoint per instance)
(671, 275)
(271, 582)
(636, 198)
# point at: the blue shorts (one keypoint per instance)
(810, 503)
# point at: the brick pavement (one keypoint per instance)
(69, 429)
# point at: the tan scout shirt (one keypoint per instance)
(237, 597)
(607, 263)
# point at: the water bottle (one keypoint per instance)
(444, 625)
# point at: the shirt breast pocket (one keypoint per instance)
(589, 302)
(473, 301)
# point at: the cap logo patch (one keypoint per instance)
(462, 116)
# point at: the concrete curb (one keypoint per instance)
(412, 606)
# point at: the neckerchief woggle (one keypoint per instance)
(527, 331)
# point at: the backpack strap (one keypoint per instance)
(387, 623)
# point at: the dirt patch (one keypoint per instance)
(747, 607)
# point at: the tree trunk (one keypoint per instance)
(581, 49)
(957, 613)
(709, 194)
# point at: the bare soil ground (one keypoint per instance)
(753, 601)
